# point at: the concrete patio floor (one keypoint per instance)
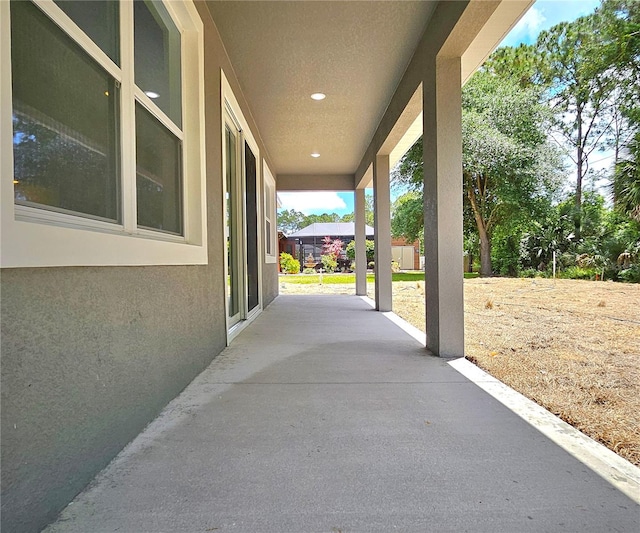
(324, 416)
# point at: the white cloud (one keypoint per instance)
(545, 14)
(308, 202)
(530, 25)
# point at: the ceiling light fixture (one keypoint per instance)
(315, 154)
(318, 96)
(152, 95)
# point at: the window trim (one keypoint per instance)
(269, 190)
(35, 237)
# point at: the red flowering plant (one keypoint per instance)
(331, 251)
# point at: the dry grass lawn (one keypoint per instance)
(572, 346)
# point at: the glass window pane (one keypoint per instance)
(159, 175)
(233, 289)
(251, 225)
(268, 237)
(157, 57)
(65, 121)
(99, 19)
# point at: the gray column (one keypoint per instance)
(361, 247)
(382, 218)
(443, 207)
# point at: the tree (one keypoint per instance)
(290, 220)
(509, 168)
(332, 247)
(574, 62)
(370, 250)
(332, 250)
(323, 218)
(621, 30)
(368, 210)
(407, 218)
(507, 163)
(626, 181)
(517, 64)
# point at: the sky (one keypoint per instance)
(541, 16)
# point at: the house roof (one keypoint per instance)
(330, 229)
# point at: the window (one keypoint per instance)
(158, 175)
(105, 139)
(65, 128)
(100, 20)
(270, 229)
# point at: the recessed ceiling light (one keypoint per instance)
(315, 154)
(318, 96)
(152, 95)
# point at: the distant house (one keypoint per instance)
(309, 240)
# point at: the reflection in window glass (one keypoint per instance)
(251, 225)
(233, 288)
(65, 125)
(157, 57)
(268, 198)
(99, 19)
(159, 176)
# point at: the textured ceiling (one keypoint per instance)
(354, 51)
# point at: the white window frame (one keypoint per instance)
(270, 215)
(34, 237)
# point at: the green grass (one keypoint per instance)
(330, 279)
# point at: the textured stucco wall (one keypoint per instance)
(269, 283)
(91, 355)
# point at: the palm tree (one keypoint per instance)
(626, 181)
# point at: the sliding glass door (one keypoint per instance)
(233, 193)
(241, 225)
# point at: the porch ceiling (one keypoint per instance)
(354, 52)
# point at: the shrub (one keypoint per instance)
(288, 264)
(309, 271)
(576, 272)
(371, 265)
(329, 263)
(370, 250)
(630, 275)
(530, 273)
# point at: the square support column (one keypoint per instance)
(443, 191)
(382, 221)
(361, 245)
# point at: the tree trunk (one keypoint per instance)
(483, 234)
(577, 212)
(485, 252)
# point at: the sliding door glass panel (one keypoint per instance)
(231, 229)
(251, 222)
